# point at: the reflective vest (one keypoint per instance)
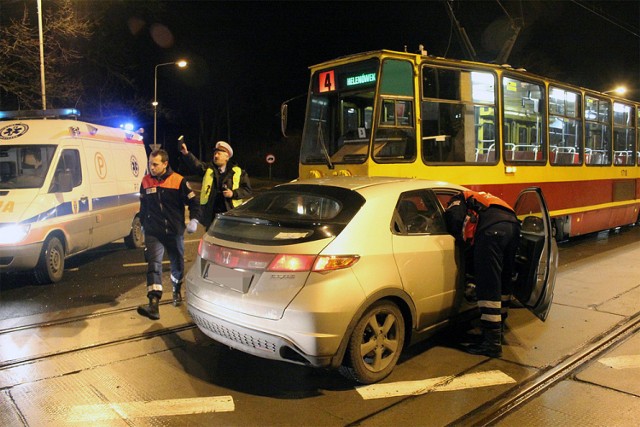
(484, 200)
(207, 185)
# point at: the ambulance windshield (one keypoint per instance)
(24, 166)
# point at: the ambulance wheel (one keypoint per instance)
(135, 239)
(375, 344)
(50, 268)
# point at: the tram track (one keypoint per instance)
(12, 363)
(65, 320)
(510, 401)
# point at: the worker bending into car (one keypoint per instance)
(224, 184)
(490, 230)
(163, 197)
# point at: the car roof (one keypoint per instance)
(358, 183)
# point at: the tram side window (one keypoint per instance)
(458, 116)
(624, 134)
(395, 137)
(597, 135)
(565, 127)
(524, 126)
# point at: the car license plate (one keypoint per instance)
(239, 281)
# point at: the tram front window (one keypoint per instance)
(338, 127)
(340, 114)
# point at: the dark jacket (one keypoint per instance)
(162, 202)
(212, 201)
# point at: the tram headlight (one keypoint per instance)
(13, 233)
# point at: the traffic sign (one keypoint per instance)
(270, 158)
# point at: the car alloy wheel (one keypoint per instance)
(375, 344)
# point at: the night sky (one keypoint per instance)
(246, 57)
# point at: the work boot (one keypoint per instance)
(152, 310)
(491, 345)
(470, 292)
(177, 296)
(473, 336)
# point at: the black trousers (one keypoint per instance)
(494, 255)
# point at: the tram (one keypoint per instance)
(485, 126)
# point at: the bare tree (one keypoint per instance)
(63, 34)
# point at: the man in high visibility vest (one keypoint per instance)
(224, 184)
(490, 230)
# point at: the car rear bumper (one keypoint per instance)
(262, 343)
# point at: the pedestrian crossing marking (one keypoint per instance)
(152, 408)
(622, 362)
(446, 383)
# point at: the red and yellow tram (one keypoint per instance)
(488, 127)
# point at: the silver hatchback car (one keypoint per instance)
(342, 272)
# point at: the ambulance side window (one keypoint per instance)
(68, 164)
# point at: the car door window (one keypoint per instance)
(69, 162)
(418, 212)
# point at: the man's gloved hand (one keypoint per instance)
(192, 226)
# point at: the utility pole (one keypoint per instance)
(42, 83)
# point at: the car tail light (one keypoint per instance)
(289, 262)
(322, 263)
(234, 258)
(334, 262)
(237, 258)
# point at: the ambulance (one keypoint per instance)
(66, 186)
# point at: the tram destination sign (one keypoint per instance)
(347, 77)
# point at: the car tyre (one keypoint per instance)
(135, 239)
(375, 344)
(50, 267)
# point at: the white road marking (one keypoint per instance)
(622, 362)
(448, 383)
(141, 264)
(154, 408)
(144, 264)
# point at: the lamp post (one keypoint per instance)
(620, 90)
(182, 63)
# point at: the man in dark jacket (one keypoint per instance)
(490, 227)
(163, 197)
(224, 185)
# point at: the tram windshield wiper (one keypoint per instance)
(323, 145)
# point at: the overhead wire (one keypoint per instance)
(633, 32)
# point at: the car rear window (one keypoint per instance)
(289, 214)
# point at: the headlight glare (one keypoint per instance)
(13, 233)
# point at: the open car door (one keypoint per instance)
(537, 255)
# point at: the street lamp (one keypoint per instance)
(620, 90)
(182, 63)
